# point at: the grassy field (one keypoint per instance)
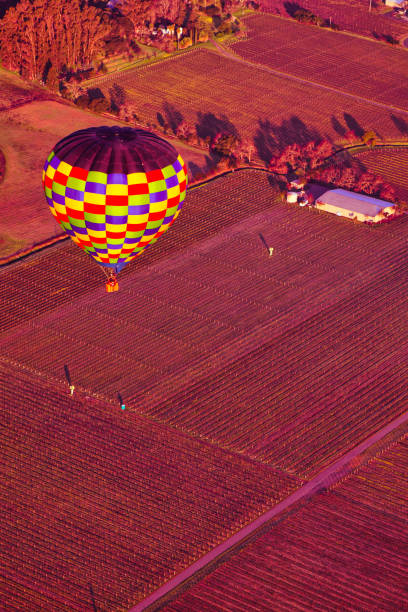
(28, 133)
(346, 62)
(15, 91)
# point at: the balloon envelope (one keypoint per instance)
(114, 190)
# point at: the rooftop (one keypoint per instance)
(356, 202)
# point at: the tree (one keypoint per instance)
(141, 13)
(117, 97)
(351, 136)
(369, 138)
(223, 145)
(246, 150)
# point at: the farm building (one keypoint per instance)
(395, 3)
(354, 205)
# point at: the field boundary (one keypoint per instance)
(321, 483)
(22, 254)
(233, 55)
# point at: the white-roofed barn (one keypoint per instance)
(355, 205)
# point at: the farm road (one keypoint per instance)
(324, 480)
(234, 56)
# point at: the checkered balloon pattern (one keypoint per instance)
(114, 217)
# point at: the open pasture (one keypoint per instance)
(104, 504)
(271, 110)
(345, 62)
(14, 91)
(350, 15)
(289, 359)
(27, 135)
(345, 550)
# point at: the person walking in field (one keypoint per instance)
(270, 251)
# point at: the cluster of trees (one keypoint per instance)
(170, 23)
(47, 39)
(40, 38)
(354, 179)
(301, 159)
(304, 159)
(303, 15)
(225, 146)
(310, 161)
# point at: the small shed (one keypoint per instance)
(355, 205)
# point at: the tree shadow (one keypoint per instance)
(292, 7)
(93, 598)
(160, 119)
(265, 141)
(270, 139)
(353, 124)
(171, 115)
(400, 124)
(95, 93)
(337, 126)
(209, 125)
(200, 172)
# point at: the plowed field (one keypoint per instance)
(288, 359)
(209, 90)
(345, 550)
(350, 15)
(96, 501)
(348, 63)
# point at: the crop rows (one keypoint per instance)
(357, 66)
(382, 484)
(350, 16)
(391, 164)
(277, 110)
(343, 550)
(91, 495)
(282, 359)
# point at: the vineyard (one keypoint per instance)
(392, 164)
(91, 495)
(350, 15)
(344, 550)
(288, 360)
(354, 65)
(278, 110)
(241, 376)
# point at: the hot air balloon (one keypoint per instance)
(115, 191)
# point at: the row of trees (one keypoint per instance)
(354, 179)
(310, 161)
